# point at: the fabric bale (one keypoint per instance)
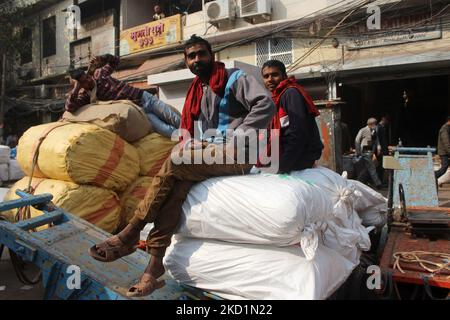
(344, 194)
(257, 209)
(130, 199)
(98, 206)
(122, 117)
(79, 153)
(244, 271)
(153, 150)
(370, 205)
(279, 210)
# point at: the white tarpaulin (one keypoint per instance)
(370, 205)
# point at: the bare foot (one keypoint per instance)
(149, 281)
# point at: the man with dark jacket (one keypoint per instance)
(443, 148)
(300, 142)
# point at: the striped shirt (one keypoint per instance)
(108, 88)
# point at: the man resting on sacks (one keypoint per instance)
(101, 86)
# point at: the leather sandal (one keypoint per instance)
(112, 251)
(146, 285)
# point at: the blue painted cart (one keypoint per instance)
(63, 247)
(417, 177)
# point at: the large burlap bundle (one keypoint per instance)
(96, 205)
(80, 153)
(122, 117)
(130, 199)
(153, 150)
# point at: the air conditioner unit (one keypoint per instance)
(256, 9)
(220, 10)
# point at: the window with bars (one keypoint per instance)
(276, 48)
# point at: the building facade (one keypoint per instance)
(385, 57)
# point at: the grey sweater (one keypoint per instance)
(251, 107)
(366, 139)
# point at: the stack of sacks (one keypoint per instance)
(83, 161)
(79, 153)
(265, 225)
(98, 161)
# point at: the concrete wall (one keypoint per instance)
(136, 12)
(60, 61)
(327, 58)
(100, 28)
(246, 54)
(281, 10)
(102, 32)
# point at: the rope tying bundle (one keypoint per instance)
(420, 258)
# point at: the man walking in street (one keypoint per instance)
(366, 145)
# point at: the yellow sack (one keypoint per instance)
(80, 153)
(98, 206)
(153, 150)
(130, 199)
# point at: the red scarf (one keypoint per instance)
(290, 82)
(192, 109)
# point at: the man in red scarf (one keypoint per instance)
(218, 101)
(300, 143)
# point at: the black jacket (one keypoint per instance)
(300, 139)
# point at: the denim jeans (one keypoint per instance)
(164, 120)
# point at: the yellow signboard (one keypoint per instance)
(151, 35)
